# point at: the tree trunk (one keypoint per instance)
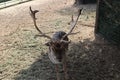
(78, 2)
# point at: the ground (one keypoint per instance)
(24, 57)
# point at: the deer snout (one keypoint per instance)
(59, 58)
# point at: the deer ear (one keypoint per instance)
(48, 43)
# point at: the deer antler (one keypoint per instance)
(32, 13)
(74, 24)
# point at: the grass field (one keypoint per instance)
(23, 57)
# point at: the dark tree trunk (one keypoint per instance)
(78, 2)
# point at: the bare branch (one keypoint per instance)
(32, 13)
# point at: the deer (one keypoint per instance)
(57, 44)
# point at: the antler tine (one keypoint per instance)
(74, 24)
(32, 13)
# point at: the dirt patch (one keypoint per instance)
(22, 57)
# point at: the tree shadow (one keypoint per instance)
(87, 60)
(41, 69)
(94, 60)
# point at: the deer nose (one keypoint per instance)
(59, 60)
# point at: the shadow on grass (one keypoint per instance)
(87, 60)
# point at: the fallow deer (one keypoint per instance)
(58, 44)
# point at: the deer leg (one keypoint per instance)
(57, 72)
(65, 68)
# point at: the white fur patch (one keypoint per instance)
(53, 58)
